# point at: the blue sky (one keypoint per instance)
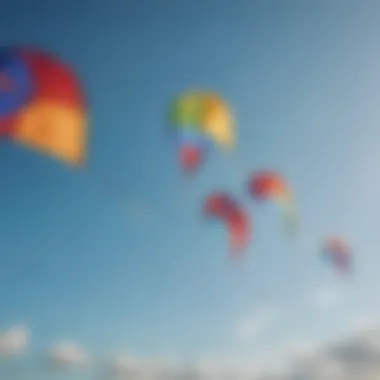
(143, 272)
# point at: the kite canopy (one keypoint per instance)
(200, 119)
(42, 105)
(223, 207)
(268, 185)
(338, 253)
(220, 204)
(206, 113)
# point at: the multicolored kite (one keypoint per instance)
(198, 120)
(337, 251)
(270, 186)
(41, 104)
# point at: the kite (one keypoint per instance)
(200, 120)
(337, 251)
(221, 206)
(42, 106)
(269, 186)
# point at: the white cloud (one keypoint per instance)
(363, 322)
(123, 367)
(127, 367)
(355, 357)
(251, 327)
(224, 368)
(14, 341)
(67, 354)
(298, 350)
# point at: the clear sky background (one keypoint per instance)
(143, 273)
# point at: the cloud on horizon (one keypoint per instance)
(14, 341)
(352, 358)
(355, 357)
(67, 355)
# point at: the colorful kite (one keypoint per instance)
(270, 186)
(198, 120)
(41, 104)
(222, 206)
(337, 251)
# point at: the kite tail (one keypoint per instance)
(289, 213)
(240, 236)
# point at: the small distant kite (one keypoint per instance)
(337, 251)
(222, 206)
(41, 104)
(200, 119)
(269, 186)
